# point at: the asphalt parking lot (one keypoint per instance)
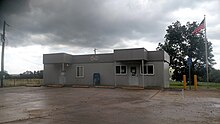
(44, 105)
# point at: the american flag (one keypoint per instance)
(199, 28)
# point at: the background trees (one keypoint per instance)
(180, 44)
(31, 75)
(214, 76)
(27, 75)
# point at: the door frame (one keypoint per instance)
(133, 75)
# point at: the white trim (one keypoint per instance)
(146, 65)
(142, 67)
(80, 76)
(142, 70)
(147, 68)
(114, 68)
(120, 70)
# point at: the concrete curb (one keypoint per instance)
(133, 88)
(33, 85)
(108, 87)
(80, 86)
(55, 85)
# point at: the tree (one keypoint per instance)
(214, 76)
(180, 44)
(6, 75)
(32, 75)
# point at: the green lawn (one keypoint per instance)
(201, 85)
(173, 84)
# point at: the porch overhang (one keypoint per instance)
(130, 54)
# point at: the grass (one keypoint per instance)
(201, 85)
(173, 84)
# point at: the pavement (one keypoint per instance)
(67, 105)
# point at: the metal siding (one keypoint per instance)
(68, 58)
(69, 74)
(56, 58)
(105, 70)
(105, 65)
(130, 54)
(166, 57)
(94, 58)
(156, 55)
(155, 80)
(122, 80)
(51, 73)
(166, 75)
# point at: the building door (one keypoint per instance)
(133, 76)
(62, 78)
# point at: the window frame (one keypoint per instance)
(146, 67)
(120, 70)
(82, 69)
(153, 69)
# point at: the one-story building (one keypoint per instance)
(123, 67)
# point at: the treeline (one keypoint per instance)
(26, 75)
(214, 76)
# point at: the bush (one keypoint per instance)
(214, 76)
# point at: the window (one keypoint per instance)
(118, 69)
(148, 69)
(121, 69)
(79, 71)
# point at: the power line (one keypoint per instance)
(12, 27)
(26, 59)
(16, 29)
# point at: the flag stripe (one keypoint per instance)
(199, 28)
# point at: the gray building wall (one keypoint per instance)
(155, 80)
(123, 79)
(93, 58)
(51, 73)
(61, 68)
(166, 75)
(105, 70)
(158, 56)
(130, 54)
(57, 58)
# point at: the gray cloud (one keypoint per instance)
(11, 7)
(87, 23)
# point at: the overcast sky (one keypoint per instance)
(78, 26)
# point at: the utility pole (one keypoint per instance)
(206, 54)
(95, 51)
(2, 57)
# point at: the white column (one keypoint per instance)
(114, 73)
(63, 67)
(142, 66)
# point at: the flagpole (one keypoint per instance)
(206, 54)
